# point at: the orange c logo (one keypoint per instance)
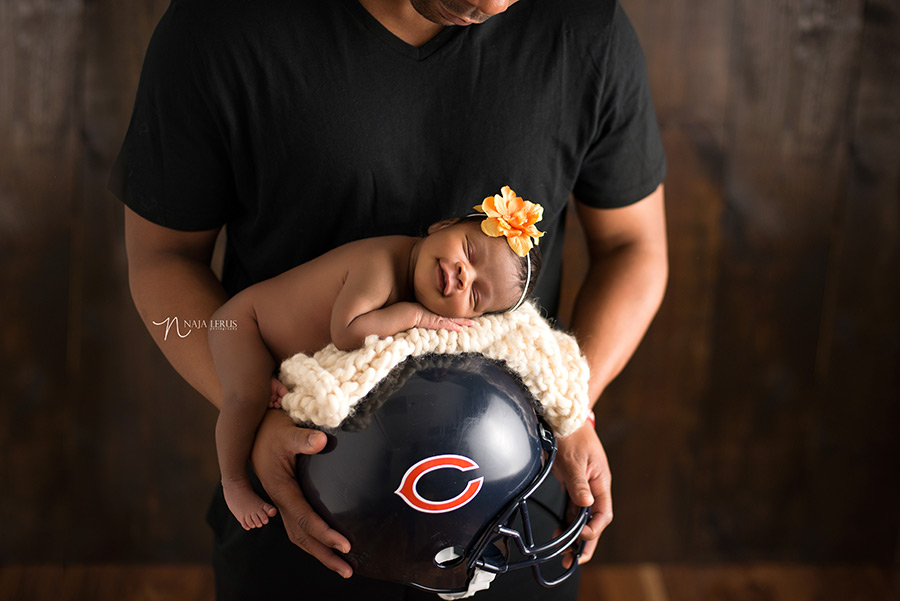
(408, 492)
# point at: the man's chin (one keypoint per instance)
(437, 13)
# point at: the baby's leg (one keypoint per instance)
(249, 509)
(244, 365)
(235, 431)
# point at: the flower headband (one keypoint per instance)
(511, 216)
(508, 215)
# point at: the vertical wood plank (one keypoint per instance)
(769, 439)
(687, 45)
(147, 469)
(858, 361)
(794, 71)
(39, 129)
(648, 418)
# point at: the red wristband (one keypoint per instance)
(591, 418)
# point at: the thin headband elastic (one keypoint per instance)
(527, 283)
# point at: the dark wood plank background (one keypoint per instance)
(758, 420)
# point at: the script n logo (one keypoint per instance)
(407, 489)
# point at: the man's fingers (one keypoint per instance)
(306, 442)
(300, 519)
(579, 491)
(583, 468)
(324, 554)
(601, 514)
(588, 552)
(309, 531)
(601, 509)
(306, 526)
(573, 474)
(278, 442)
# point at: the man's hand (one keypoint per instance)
(278, 441)
(582, 466)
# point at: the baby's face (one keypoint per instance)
(462, 272)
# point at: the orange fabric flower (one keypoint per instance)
(508, 215)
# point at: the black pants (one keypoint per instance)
(264, 565)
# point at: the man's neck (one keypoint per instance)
(401, 19)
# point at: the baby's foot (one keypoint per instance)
(249, 509)
(278, 392)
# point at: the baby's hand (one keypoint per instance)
(278, 392)
(433, 321)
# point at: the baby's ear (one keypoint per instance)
(436, 227)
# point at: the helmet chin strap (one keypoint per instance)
(481, 581)
(527, 283)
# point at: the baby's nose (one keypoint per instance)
(463, 276)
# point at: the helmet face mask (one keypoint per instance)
(431, 479)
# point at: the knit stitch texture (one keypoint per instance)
(325, 388)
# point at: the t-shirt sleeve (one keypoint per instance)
(173, 167)
(625, 161)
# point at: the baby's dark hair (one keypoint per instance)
(534, 256)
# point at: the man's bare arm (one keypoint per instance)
(621, 294)
(170, 277)
(169, 274)
(624, 286)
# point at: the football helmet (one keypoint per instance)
(431, 478)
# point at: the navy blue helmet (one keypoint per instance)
(431, 478)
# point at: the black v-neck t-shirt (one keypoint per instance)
(305, 124)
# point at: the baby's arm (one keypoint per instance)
(244, 365)
(360, 311)
(391, 320)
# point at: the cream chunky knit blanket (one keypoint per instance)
(325, 388)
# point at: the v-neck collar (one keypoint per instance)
(395, 43)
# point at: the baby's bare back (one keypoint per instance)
(293, 310)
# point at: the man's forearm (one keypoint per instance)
(624, 286)
(170, 292)
(617, 302)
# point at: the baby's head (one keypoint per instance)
(480, 264)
